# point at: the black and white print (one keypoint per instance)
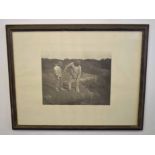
(76, 81)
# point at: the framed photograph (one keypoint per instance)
(82, 76)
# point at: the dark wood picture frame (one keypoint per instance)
(144, 28)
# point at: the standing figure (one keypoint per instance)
(58, 75)
(74, 71)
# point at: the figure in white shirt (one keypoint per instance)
(58, 75)
(74, 70)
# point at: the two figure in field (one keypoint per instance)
(73, 73)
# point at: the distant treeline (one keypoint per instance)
(88, 65)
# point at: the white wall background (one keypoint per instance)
(5, 112)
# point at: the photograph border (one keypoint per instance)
(144, 28)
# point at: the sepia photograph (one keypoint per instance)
(76, 81)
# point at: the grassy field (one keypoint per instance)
(94, 83)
